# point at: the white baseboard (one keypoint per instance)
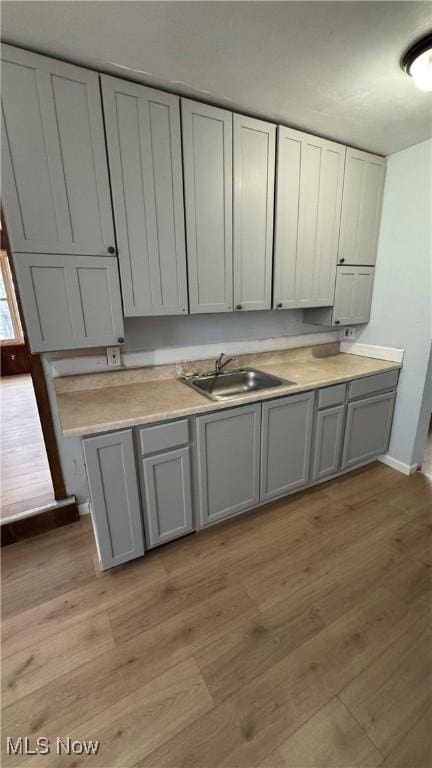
(84, 509)
(406, 469)
(392, 354)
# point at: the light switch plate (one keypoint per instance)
(113, 357)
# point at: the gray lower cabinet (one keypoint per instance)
(230, 462)
(368, 427)
(228, 451)
(116, 508)
(327, 442)
(70, 302)
(286, 444)
(167, 496)
(56, 191)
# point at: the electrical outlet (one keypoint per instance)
(113, 357)
(349, 333)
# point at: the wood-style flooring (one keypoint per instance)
(293, 637)
(25, 475)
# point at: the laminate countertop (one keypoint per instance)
(95, 403)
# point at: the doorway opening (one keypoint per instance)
(33, 496)
(26, 484)
(426, 467)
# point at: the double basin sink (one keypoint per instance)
(229, 384)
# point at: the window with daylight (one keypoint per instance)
(10, 325)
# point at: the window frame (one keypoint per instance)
(11, 301)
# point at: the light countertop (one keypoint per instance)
(102, 402)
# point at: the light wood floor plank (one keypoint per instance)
(29, 670)
(139, 722)
(388, 697)
(266, 639)
(273, 760)
(414, 750)
(59, 705)
(414, 541)
(115, 586)
(254, 721)
(330, 738)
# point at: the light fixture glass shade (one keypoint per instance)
(417, 62)
(421, 71)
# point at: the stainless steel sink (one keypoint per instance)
(228, 384)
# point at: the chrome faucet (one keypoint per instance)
(219, 365)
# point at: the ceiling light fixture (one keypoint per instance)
(417, 62)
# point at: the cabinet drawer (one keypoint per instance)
(164, 436)
(371, 384)
(331, 396)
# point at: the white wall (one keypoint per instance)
(149, 333)
(401, 310)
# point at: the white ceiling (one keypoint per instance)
(331, 68)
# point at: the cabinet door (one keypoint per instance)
(207, 162)
(368, 428)
(55, 177)
(228, 462)
(113, 483)
(70, 301)
(361, 207)
(327, 442)
(168, 499)
(144, 149)
(285, 444)
(353, 297)
(254, 171)
(308, 206)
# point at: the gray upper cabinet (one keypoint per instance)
(361, 207)
(286, 444)
(353, 299)
(327, 442)
(368, 428)
(254, 171)
(70, 302)
(144, 149)
(353, 296)
(207, 162)
(228, 450)
(54, 167)
(116, 510)
(167, 495)
(308, 206)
